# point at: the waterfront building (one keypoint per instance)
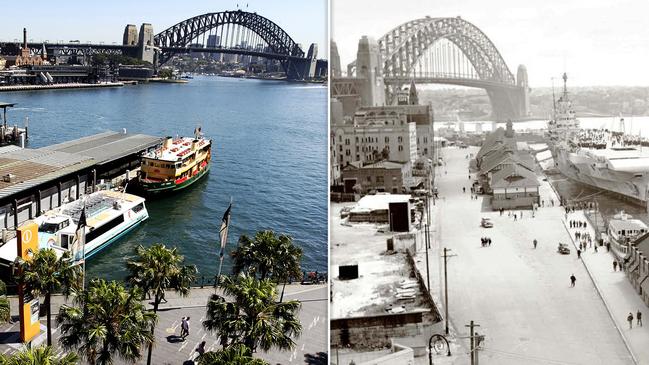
(401, 133)
(514, 186)
(24, 58)
(638, 266)
(381, 176)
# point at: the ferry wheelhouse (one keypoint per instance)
(175, 165)
(109, 216)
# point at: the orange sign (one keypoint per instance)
(28, 306)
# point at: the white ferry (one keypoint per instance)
(623, 229)
(109, 216)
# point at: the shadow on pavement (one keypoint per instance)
(174, 339)
(9, 337)
(316, 359)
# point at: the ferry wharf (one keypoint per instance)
(36, 180)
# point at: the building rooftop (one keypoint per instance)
(514, 176)
(379, 201)
(108, 146)
(26, 168)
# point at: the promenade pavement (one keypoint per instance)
(311, 345)
(520, 296)
(616, 290)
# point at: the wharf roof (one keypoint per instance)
(514, 176)
(33, 167)
(505, 155)
(108, 146)
(385, 165)
(6, 105)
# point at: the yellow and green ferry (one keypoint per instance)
(175, 165)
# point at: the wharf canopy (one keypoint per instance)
(36, 180)
(506, 172)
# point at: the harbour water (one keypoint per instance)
(269, 157)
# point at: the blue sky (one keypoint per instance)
(305, 21)
(598, 42)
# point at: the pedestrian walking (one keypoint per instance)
(614, 265)
(639, 317)
(595, 248)
(514, 217)
(201, 349)
(578, 253)
(630, 319)
(464, 189)
(185, 327)
(552, 202)
(573, 279)
(489, 242)
(182, 327)
(535, 242)
(608, 246)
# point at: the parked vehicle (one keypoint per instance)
(486, 223)
(563, 249)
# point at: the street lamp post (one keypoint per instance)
(430, 346)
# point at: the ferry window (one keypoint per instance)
(138, 207)
(66, 240)
(48, 228)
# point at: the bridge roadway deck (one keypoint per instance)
(311, 346)
(520, 296)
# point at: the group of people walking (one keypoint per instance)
(485, 241)
(638, 317)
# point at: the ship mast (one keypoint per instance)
(554, 102)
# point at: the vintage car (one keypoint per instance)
(486, 223)
(563, 249)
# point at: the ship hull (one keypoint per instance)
(157, 188)
(581, 169)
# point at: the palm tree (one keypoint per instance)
(46, 274)
(268, 255)
(157, 269)
(107, 320)
(5, 308)
(253, 317)
(38, 356)
(233, 355)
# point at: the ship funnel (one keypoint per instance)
(194, 145)
(167, 142)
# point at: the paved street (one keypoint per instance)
(520, 296)
(311, 346)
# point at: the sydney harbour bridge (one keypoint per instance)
(430, 51)
(228, 32)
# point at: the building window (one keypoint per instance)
(425, 139)
(357, 149)
(379, 179)
(400, 148)
(369, 178)
(387, 139)
(425, 151)
(340, 138)
(347, 141)
(399, 139)
(340, 147)
(347, 153)
(358, 157)
(356, 139)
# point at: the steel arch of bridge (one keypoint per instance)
(402, 47)
(182, 34)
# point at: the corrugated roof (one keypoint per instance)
(107, 146)
(45, 175)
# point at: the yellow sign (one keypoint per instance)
(28, 306)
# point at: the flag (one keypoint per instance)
(80, 236)
(223, 232)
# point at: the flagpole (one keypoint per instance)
(224, 237)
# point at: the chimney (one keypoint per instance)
(25, 38)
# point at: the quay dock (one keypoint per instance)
(37, 180)
(7, 88)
